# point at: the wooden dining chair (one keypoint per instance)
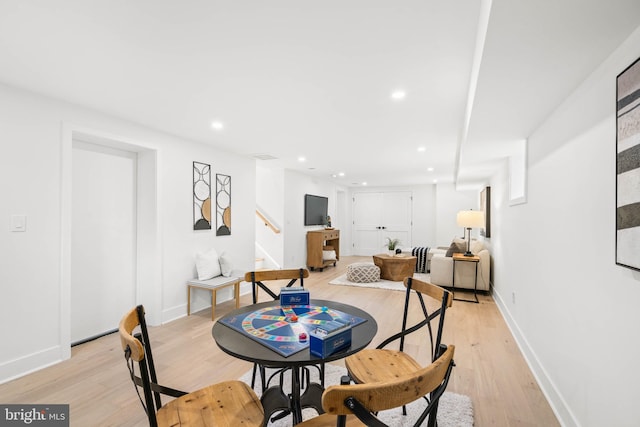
(383, 364)
(357, 404)
(229, 403)
(257, 279)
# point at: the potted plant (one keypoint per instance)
(391, 244)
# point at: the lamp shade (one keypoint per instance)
(470, 219)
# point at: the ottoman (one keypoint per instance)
(363, 272)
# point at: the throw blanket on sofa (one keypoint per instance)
(421, 262)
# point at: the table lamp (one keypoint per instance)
(470, 219)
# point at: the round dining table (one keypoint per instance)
(274, 398)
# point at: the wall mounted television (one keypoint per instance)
(315, 209)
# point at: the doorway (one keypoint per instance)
(103, 238)
(378, 215)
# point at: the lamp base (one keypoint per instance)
(468, 253)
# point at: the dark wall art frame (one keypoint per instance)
(201, 196)
(223, 205)
(628, 167)
(485, 206)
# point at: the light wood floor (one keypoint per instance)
(95, 381)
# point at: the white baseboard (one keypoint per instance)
(30, 363)
(555, 399)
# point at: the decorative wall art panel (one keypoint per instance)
(628, 167)
(201, 196)
(485, 206)
(223, 205)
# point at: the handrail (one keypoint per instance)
(267, 222)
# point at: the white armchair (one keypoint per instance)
(442, 269)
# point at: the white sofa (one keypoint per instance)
(442, 268)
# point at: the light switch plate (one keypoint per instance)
(18, 223)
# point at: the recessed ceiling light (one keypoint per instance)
(435, 181)
(422, 149)
(340, 173)
(398, 95)
(334, 176)
(217, 125)
(430, 169)
(364, 183)
(302, 159)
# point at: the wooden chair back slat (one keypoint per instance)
(433, 291)
(391, 394)
(128, 323)
(261, 275)
(256, 278)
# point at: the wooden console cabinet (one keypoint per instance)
(320, 240)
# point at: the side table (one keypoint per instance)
(462, 257)
(395, 267)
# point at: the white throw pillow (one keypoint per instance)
(207, 264)
(225, 265)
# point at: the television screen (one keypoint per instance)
(315, 209)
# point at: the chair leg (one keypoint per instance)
(263, 377)
(253, 376)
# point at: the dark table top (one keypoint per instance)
(243, 347)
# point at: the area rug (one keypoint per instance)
(455, 410)
(381, 284)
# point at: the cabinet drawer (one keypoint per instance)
(329, 235)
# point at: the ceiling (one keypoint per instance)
(291, 78)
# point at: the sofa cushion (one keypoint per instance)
(457, 246)
(476, 246)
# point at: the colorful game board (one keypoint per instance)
(278, 329)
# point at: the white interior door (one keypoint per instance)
(366, 223)
(396, 217)
(103, 238)
(377, 216)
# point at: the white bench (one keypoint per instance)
(214, 285)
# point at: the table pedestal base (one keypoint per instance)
(274, 400)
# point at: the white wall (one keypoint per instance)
(33, 167)
(575, 313)
(281, 193)
(423, 212)
(270, 201)
(450, 202)
(295, 232)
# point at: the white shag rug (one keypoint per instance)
(454, 410)
(381, 284)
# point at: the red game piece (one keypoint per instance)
(294, 318)
(302, 337)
